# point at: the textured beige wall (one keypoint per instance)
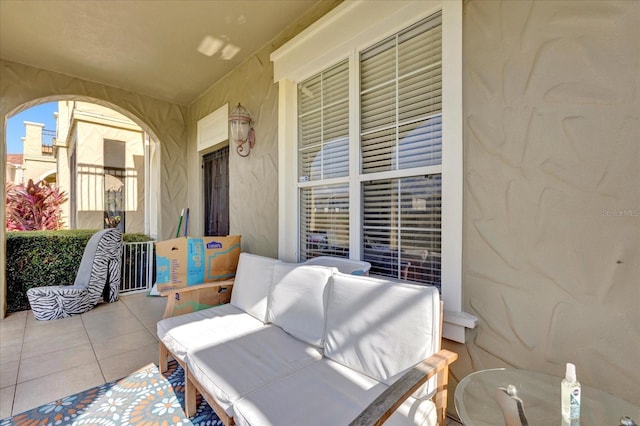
(253, 181)
(552, 189)
(253, 196)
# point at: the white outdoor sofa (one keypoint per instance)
(307, 345)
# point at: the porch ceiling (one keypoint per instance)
(147, 47)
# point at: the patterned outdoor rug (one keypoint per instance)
(146, 397)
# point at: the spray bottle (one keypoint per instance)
(570, 393)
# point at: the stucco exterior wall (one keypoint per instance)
(14, 173)
(253, 196)
(37, 169)
(36, 165)
(91, 163)
(32, 142)
(552, 189)
(253, 181)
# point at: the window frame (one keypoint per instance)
(342, 34)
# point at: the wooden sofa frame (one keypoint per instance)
(179, 301)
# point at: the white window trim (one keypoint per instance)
(341, 33)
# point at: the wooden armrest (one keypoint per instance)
(193, 298)
(384, 405)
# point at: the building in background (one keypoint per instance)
(14, 171)
(98, 157)
(37, 162)
(100, 163)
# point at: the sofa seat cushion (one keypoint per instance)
(231, 369)
(381, 328)
(210, 326)
(323, 393)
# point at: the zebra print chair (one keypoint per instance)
(98, 277)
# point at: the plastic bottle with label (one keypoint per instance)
(570, 394)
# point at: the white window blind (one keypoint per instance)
(401, 99)
(400, 144)
(324, 221)
(401, 227)
(323, 125)
(323, 153)
(401, 130)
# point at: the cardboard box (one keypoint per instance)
(191, 299)
(181, 262)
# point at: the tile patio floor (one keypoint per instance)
(41, 361)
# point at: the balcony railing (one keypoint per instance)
(137, 267)
(47, 147)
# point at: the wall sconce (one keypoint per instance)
(241, 129)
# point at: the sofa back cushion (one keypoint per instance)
(281, 269)
(381, 328)
(346, 266)
(298, 301)
(251, 288)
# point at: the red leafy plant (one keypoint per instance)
(34, 207)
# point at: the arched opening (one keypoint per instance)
(97, 146)
(49, 176)
(138, 177)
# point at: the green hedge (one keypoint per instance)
(41, 258)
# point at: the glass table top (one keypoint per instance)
(540, 394)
